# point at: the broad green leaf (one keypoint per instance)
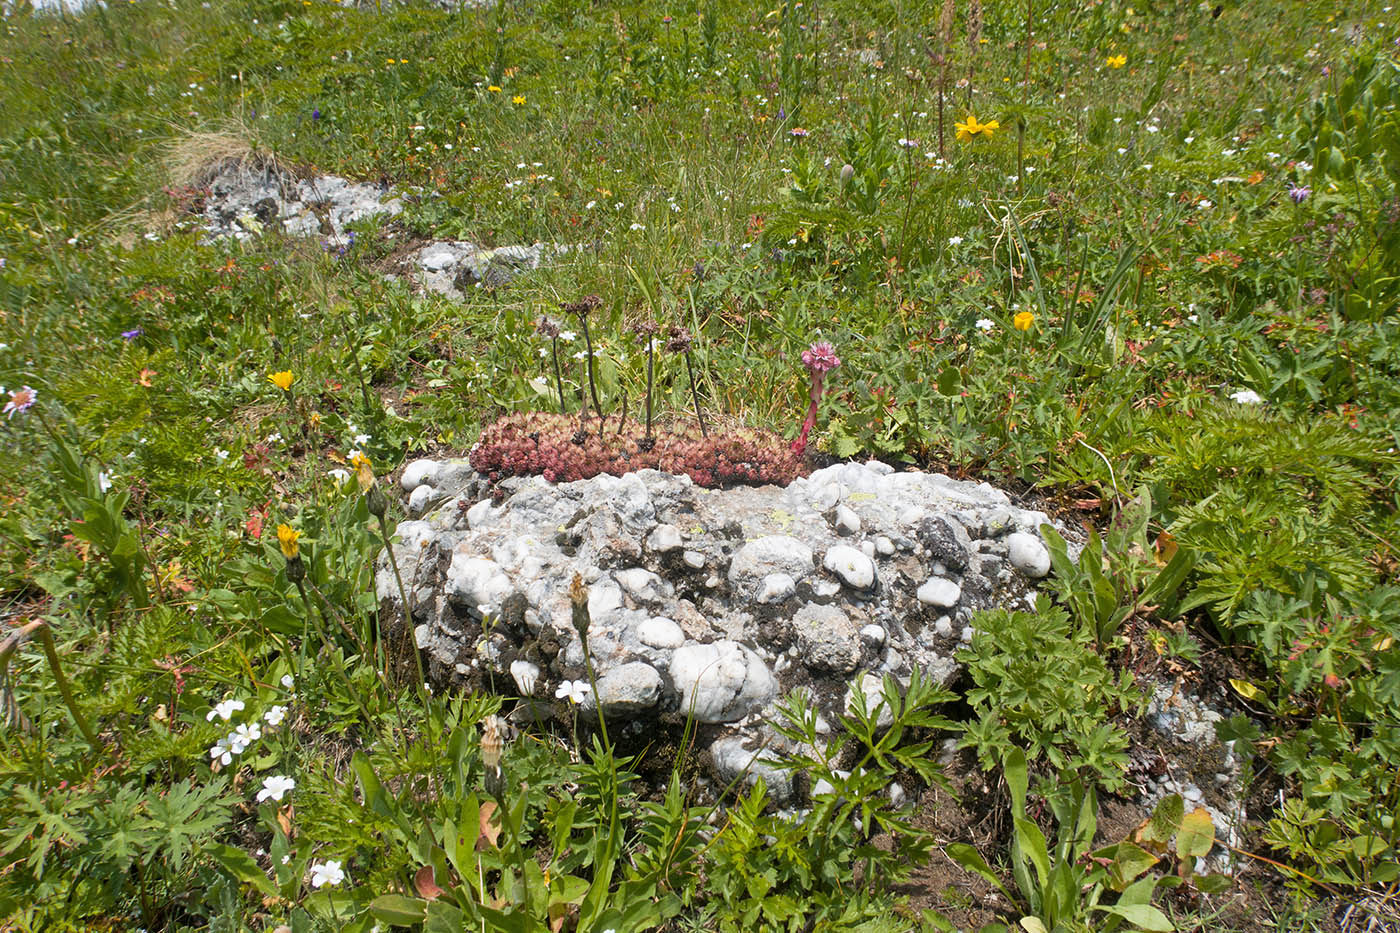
(1032, 925)
(1031, 842)
(969, 858)
(1142, 916)
(1129, 862)
(399, 910)
(1197, 834)
(1013, 765)
(242, 866)
(1166, 820)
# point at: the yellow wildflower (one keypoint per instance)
(494, 89)
(971, 129)
(518, 99)
(287, 538)
(1023, 320)
(1116, 61)
(282, 380)
(364, 472)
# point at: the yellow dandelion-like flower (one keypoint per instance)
(1023, 321)
(282, 380)
(518, 99)
(970, 129)
(494, 89)
(364, 472)
(1116, 61)
(287, 539)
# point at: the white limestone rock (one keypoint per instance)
(850, 564)
(1028, 554)
(721, 682)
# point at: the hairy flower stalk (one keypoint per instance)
(582, 309)
(378, 506)
(820, 358)
(680, 342)
(647, 332)
(578, 602)
(550, 329)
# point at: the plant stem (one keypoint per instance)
(695, 394)
(559, 378)
(41, 629)
(588, 344)
(650, 351)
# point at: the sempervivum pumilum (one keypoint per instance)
(543, 444)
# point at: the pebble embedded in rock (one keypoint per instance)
(721, 682)
(660, 632)
(664, 538)
(770, 554)
(480, 515)
(417, 473)
(693, 559)
(847, 521)
(776, 587)
(940, 592)
(1028, 554)
(827, 638)
(884, 546)
(630, 688)
(420, 499)
(855, 569)
(874, 634)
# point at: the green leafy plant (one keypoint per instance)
(1073, 888)
(1117, 576)
(1037, 681)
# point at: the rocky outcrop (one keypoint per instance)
(704, 603)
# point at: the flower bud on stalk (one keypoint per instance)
(492, 746)
(578, 598)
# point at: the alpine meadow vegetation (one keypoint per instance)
(1134, 259)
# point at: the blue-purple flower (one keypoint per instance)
(130, 335)
(1299, 193)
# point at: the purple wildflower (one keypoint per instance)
(820, 357)
(21, 399)
(1299, 193)
(130, 335)
(316, 113)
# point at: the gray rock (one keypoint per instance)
(847, 522)
(827, 638)
(731, 759)
(721, 682)
(660, 632)
(418, 473)
(477, 582)
(855, 569)
(770, 554)
(940, 592)
(775, 588)
(629, 689)
(945, 540)
(1028, 554)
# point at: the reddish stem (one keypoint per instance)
(815, 394)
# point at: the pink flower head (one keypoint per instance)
(820, 357)
(21, 399)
